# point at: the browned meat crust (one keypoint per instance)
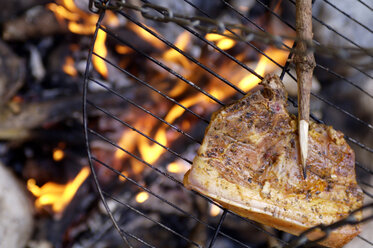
(249, 162)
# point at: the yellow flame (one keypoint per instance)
(142, 197)
(80, 22)
(122, 178)
(123, 49)
(58, 154)
(57, 195)
(214, 210)
(62, 13)
(68, 67)
(222, 41)
(177, 167)
(146, 35)
(101, 50)
(264, 65)
(213, 37)
(150, 151)
(70, 5)
(80, 29)
(127, 141)
(171, 55)
(176, 111)
(225, 44)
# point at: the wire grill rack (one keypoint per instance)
(215, 229)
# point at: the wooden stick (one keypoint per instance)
(305, 63)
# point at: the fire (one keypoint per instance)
(100, 49)
(58, 196)
(264, 65)
(146, 35)
(142, 197)
(221, 41)
(68, 67)
(58, 154)
(83, 23)
(127, 140)
(171, 55)
(214, 210)
(122, 49)
(78, 21)
(122, 178)
(177, 167)
(150, 151)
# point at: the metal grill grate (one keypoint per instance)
(93, 134)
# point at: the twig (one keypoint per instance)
(305, 63)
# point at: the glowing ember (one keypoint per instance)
(101, 50)
(58, 154)
(214, 210)
(57, 195)
(68, 67)
(142, 197)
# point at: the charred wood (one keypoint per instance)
(12, 73)
(18, 125)
(29, 25)
(9, 9)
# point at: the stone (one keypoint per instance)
(16, 211)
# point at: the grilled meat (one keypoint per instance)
(249, 162)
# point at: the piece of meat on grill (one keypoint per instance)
(249, 162)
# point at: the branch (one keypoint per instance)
(305, 63)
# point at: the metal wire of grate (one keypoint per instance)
(91, 134)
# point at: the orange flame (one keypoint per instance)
(121, 178)
(146, 35)
(57, 195)
(78, 21)
(101, 50)
(81, 22)
(122, 49)
(221, 41)
(171, 55)
(68, 67)
(177, 167)
(150, 151)
(264, 65)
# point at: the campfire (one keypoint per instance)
(151, 87)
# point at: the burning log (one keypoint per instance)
(18, 125)
(28, 25)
